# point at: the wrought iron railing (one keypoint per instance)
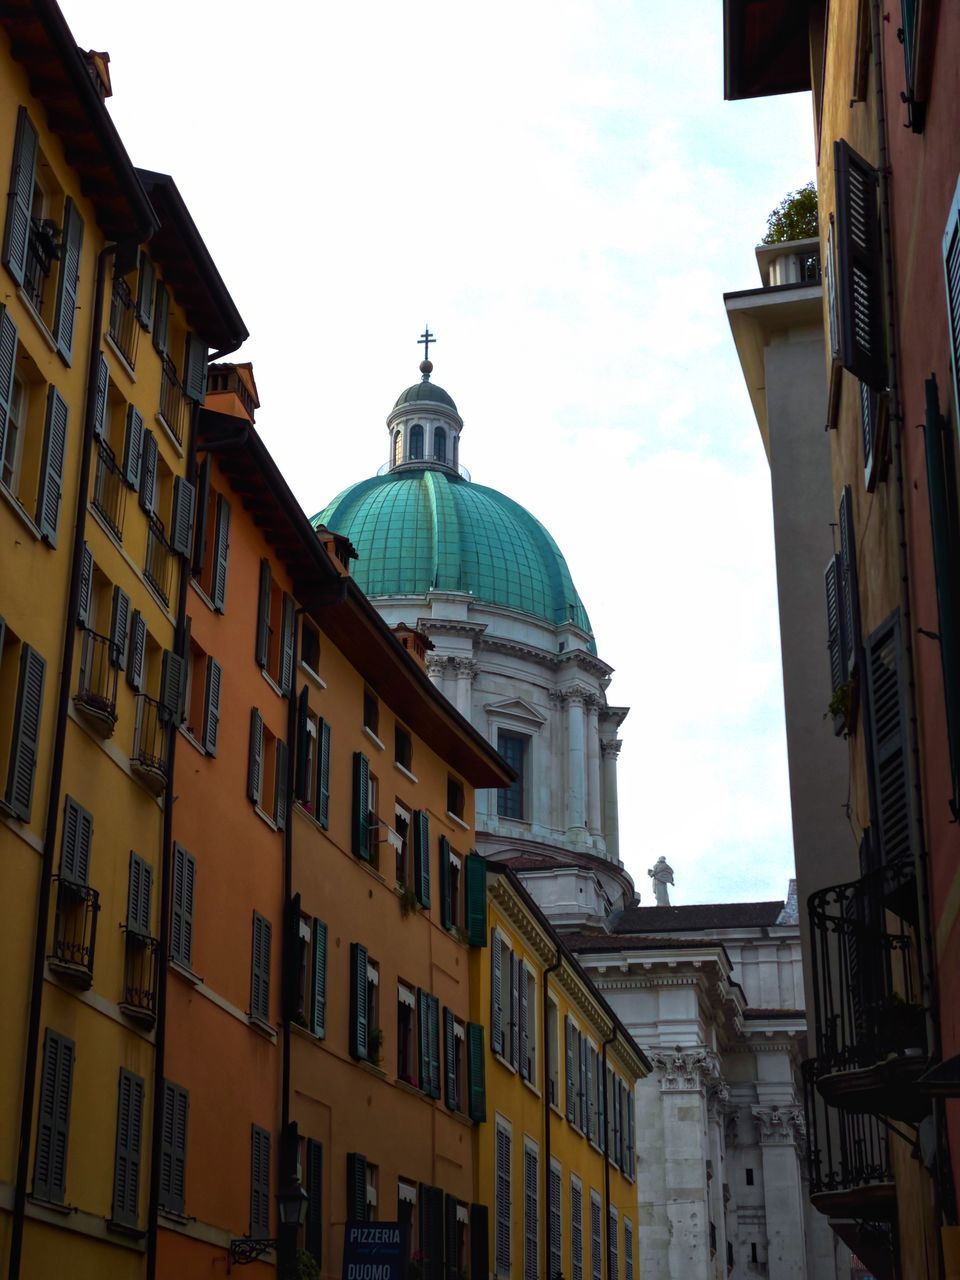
(173, 402)
(97, 687)
(74, 930)
(160, 559)
(150, 741)
(109, 490)
(42, 251)
(140, 977)
(847, 1152)
(124, 326)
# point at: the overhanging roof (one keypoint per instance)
(766, 48)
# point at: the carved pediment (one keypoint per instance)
(518, 711)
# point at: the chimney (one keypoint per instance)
(415, 643)
(98, 64)
(340, 549)
(231, 389)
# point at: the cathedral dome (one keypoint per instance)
(425, 391)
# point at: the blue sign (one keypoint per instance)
(374, 1251)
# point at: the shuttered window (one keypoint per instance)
(430, 1207)
(181, 922)
(77, 843)
(148, 473)
(596, 1231)
(318, 980)
(8, 360)
(421, 857)
(287, 633)
(428, 1018)
(259, 1182)
(323, 774)
(263, 615)
(211, 706)
(145, 285)
(119, 620)
(161, 318)
(850, 616)
(313, 1231)
(86, 586)
(361, 807)
(356, 1187)
(446, 884)
(255, 757)
(569, 1035)
(181, 517)
(476, 1072)
(126, 1167)
(576, 1230)
(613, 1270)
(497, 1020)
(888, 757)
(173, 1147)
(137, 652)
(72, 243)
(951, 272)
(260, 968)
(51, 466)
(280, 788)
(26, 733)
(139, 893)
(221, 548)
(358, 1001)
(630, 1160)
(627, 1249)
(133, 447)
(20, 199)
(502, 1202)
(555, 1222)
(860, 268)
(53, 1118)
(449, 1061)
(531, 1212)
(195, 368)
(476, 900)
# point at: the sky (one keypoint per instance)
(561, 192)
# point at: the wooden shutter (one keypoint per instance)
(173, 671)
(596, 1263)
(356, 1187)
(832, 579)
(181, 519)
(476, 900)
(286, 645)
(446, 905)
(133, 447)
(301, 745)
(450, 1252)
(65, 313)
(53, 1118)
(318, 1010)
(211, 706)
(51, 466)
(555, 1224)
(77, 843)
(260, 968)
(139, 892)
(531, 1215)
(869, 413)
(850, 616)
(515, 967)
(361, 806)
(359, 1044)
(119, 618)
(181, 923)
(479, 1241)
(255, 758)
(523, 1030)
(161, 318)
(568, 1031)
(889, 764)
(86, 586)
(860, 269)
(280, 790)
(145, 286)
(323, 774)
(627, 1249)
(173, 1147)
(203, 511)
(259, 1182)
(576, 1231)
(630, 1162)
(476, 1066)
(138, 651)
(449, 1061)
(423, 1040)
(195, 368)
(430, 1204)
(8, 362)
(591, 1062)
(263, 614)
(102, 402)
(433, 1044)
(313, 1233)
(26, 733)
(582, 1083)
(496, 994)
(951, 272)
(421, 856)
(503, 1223)
(16, 234)
(126, 1166)
(613, 1261)
(148, 473)
(221, 546)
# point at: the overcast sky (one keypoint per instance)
(562, 193)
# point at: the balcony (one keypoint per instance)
(74, 932)
(96, 696)
(139, 1000)
(109, 490)
(173, 402)
(871, 1041)
(124, 327)
(793, 262)
(150, 744)
(43, 249)
(161, 557)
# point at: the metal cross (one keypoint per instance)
(424, 341)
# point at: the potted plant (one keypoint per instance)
(408, 900)
(374, 1045)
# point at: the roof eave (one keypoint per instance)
(766, 48)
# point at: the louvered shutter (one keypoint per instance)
(77, 843)
(51, 466)
(172, 678)
(850, 617)
(423, 1040)
(53, 1118)
(832, 579)
(8, 361)
(476, 1069)
(582, 1082)
(203, 511)
(263, 614)
(318, 1019)
(614, 1150)
(531, 1215)
(627, 1249)
(138, 651)
(591, 1061)
(601, 1105)
(361, 806)
(496, 995)
(421, 856)
(889, 764)
(148, 473)
(181, 923)
(476, 900)
(119, 618)
(86, 586)
(313, 1231)
(26, 733)
(301, 745)
(161, 318)
(323, 775)
(356, 1187)
(286, 647)
(446, 906)
(450, 1252)
(433, 1010)
(951, 272)
(576, 1231)
(630, 1164)
(568, 1032)
(139, 893)
(102, 401)
(195, 368)
(221, 547)
(613, 1264)
(255, 758)
(260, 968)
(259, 1182)
(280, 791)
(173, 1147)
(359, 1045)
(145, 287)
(133, 447)
(16, 234)
(596, 1222)
(502, 1202)
(523, 1030)
(514, 1021)
(860, 282)
(479, 1241)
(869, 410)
(555, 1225)
(181, 520)
(449, 1061)
(126, 1168)
(211, 706)
(65, 313)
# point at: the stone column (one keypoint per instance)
(594, 798)
(781, 1132)
(437, 670)
(576, 764)
(466, 670)
(611, 812)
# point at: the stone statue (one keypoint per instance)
(661, 875)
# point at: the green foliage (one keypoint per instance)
(795, 217)
(306, 1267)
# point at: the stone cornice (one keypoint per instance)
(507, 902)
(576, 657)
(451, 627)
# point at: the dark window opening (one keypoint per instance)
(371, 711)
(403, 748)
(455, 797)
(513, 748)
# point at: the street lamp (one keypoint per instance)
(292, 1205)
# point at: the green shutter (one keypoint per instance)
(77, 843)
(65, 313)
(496, 995)
(119, 618)
(318, 1019)
(221, 546)
(849, 597)
(356, 1187)
(139, 892)
(102, 401)
(195, 368)
(476, 1066)
(286, 649)
(173, 1147)
(172, 678)
(255, 760)
(263, 614)
(313, 1232)
(53, 1118)
(476, 899)
(421, 856)
(20, 199)
(323, 775)
(260, 968)
(137, 652)
(449, 1060)
(358, 1000)
(148, 473)
(145, 286)
(203, 510)
(26, 733)
(280, 790)
(181, 921)
(211, 706)
(831, 581)
(433, 1019)
(133, 446)
(126, 1167)
(951, 273)
(423, 1039)
(301, 745)
(86, 586)
(8, 362)
(51, 466)
(361, 806)
(161, 318)
(446, 906)
(181, 517)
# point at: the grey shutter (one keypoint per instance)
(203, 511)
(323, 776)
(576, 1231)
(568, 1035)
(259, 1182)
(181, 923)
(515, 967)
(869, 410)
(69, 279)
(173, 1147)
(951, 272)
(16, 234)
(161, 318)
(496, 994)
(832, 579)
(433, 1040)
(86, 586)
(119, 618)
(596, 1263)
(318, 1021)
(260, 968)
(421, 856)
(211, 706)
(860, 284)
(313, 1231)
(503, 1222)
(476, 1072)
(145, 286)
(301, 745)
(51, 467)
(255, 759)
(476, 900)
(102, 401)
(138, 652)
(358, 1000)
(148, 473)
(601, 1105)
(613, 1260)
(423, 1039)
(554, 1225)
(139, 893)
(523, 1045)
(26, 733)
(631, 1142)
(8, 362)
(627, 1249)
(263, 614)
(126, 1167)
(53, 1118)
(889, 764)
(280, 790)
(531, 1215)
(850, 599)
(195, 368)
(582, 1083)
(446, 905)
(356, 1187)
(133, 447)
(449, 1061)
(181, 519)
(591, 1119)
(172, 677)
(221, 546)
(361, 806)
(286, 650)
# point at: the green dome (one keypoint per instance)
(421, 529)
(425, 391)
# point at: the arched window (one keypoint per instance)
(416, 441)
(397, 447)
(439, 444)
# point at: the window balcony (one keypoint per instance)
(124, 327)
(871, 1038)
(109, 490)
(792, 262)
(158, 569)
(140, 978)
(43, 249)
(173, 402)
(96, 695)
(74, 932)
(150, 744)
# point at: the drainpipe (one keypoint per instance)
(545, 1021)
(56, 775)
(606, 1154)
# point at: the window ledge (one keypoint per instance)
(197, 746)
(174, 1215)
(309, 814)
(121, 358)
(203, 595)
(374, 739)
(161, 420)
(262, 1028)
(405, 771)
(314, 1037)
(372, 1068)
(187, 974)
(317, 679)
(459, 821)
(38, 319)
(505, 1062)
(56, 1206)
(262, 813)
(272, 683)
(20, 512)
(124, 1229)
(407, 1087)
(532, 1087)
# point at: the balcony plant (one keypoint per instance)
(408, 900)
(374, 1045)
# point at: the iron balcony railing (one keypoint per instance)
(140, 977)
(74, 931)
(124, 326)
(173, 401)
(150, 742)
(160, 559)
(109, 490)
(42, 250)
(96, 694)
(848, 1157)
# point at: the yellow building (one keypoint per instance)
(555, 1155)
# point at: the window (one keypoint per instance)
(357, 1184)
(374, 1030)
(753, 1251)
(511, 800)
(371, 712)
(416, 442)
(267, 771)
(373, 1181)
(502, 1208)
(576, 1229)
(318, 979)
(181, 925)
(613, 1269)
(531, 1211)
(407, 1068)
(403, 748)
(596, 1246)
(428, 1018)
(140, 946)
(455, 797)
(527, 983)
(173, 1148)
(126, 1164)
(951, 271)
(572, 1041)
(555, 1225)
(259, 1182)
(260, 969)
(50, 1165)
(22, 676)
(451, 886)
(359, 1016)
(440, 444)
(276, 615)
(407, 1213)
(749, 1177)
(401, 828)
(312, 773)
(860, 268)
(212, 540)
(204, 677)
(502, 970)
(553, 1051)
(310, 646)
(421, 857)
(397, 447)
(454, 1036)
(74, 930)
